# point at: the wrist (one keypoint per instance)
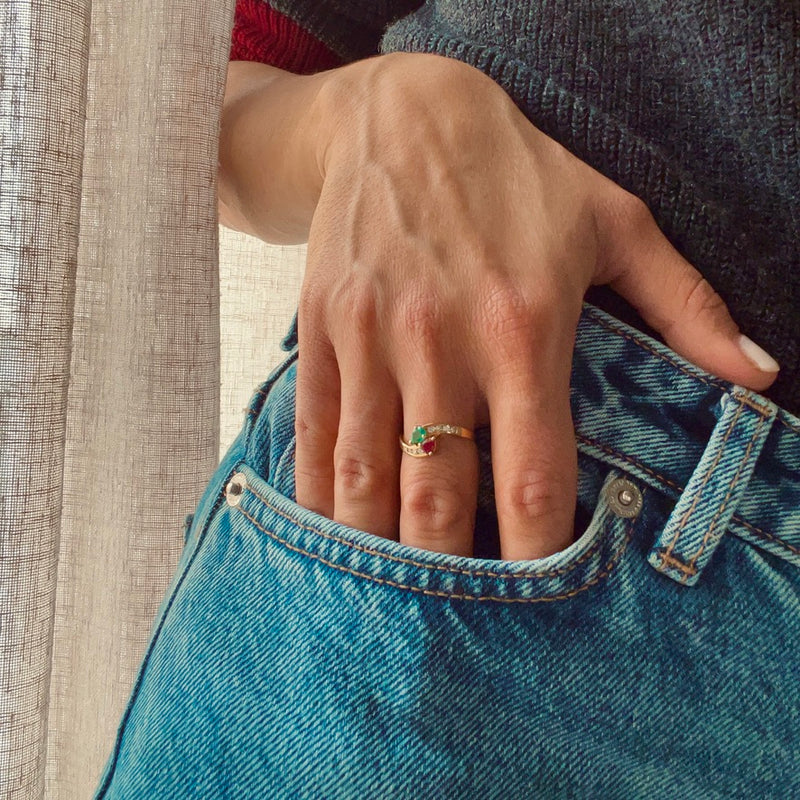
(282, 133)
(268, 178)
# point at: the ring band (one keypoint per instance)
(424, 438)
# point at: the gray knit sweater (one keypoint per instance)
(690, 104)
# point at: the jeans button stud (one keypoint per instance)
(624, 498)
(235, 489)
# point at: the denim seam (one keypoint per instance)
(452, 595)
(663, 356)
(152, 644)
(734, 483)
(706, 478)
(756, 406)
(260, 393)
(671, 560)
(634, 462)
(788, 424)
(672, 484)
(440, 567)
(765, 534)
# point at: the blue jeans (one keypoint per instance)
(657, 657)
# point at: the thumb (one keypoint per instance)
(678, 302)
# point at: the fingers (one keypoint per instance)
(675, 299)
(534, 459)
(346, 421)
(348, 461)
(349, 466)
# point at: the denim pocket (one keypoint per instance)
(296, 657)
(302, 658)
(588, 561)
(268, 473)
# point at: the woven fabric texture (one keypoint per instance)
(109, 353)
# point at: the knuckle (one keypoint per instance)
(634, 210)
(422, 317)
(507, 316)
(626, 215)
(505, 308)
(512, 326)
(421, 325)
(357, 477)
(434, 509)
(701, 299)
(533, 497)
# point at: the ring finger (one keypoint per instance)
(438, 492)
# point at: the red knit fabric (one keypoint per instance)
(262, 34)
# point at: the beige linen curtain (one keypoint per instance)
(111, 386)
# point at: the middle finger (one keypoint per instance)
(366, 457)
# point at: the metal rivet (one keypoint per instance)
(235, 489)
(624, 498)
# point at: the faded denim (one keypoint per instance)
(657, 657)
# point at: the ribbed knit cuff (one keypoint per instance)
(262, 34)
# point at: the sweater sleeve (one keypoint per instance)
(306, 36)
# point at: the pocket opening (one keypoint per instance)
(310, 539)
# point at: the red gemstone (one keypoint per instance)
(428, 446)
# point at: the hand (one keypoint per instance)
(449, 253)
(448, 257)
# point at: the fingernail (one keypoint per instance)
(761, 358)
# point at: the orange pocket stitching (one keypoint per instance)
(733, 485)
(610, 451)
(666, 481)
(706, 478)
(656, 353)
(607, 570)
(440, 567)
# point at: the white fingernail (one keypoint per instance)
(761, 358)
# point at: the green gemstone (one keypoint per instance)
(418, 434)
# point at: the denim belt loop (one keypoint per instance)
(718, 483)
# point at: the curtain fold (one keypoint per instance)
(110, 353)
(43, 61)
(142, 425)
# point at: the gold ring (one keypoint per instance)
(424, 438)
